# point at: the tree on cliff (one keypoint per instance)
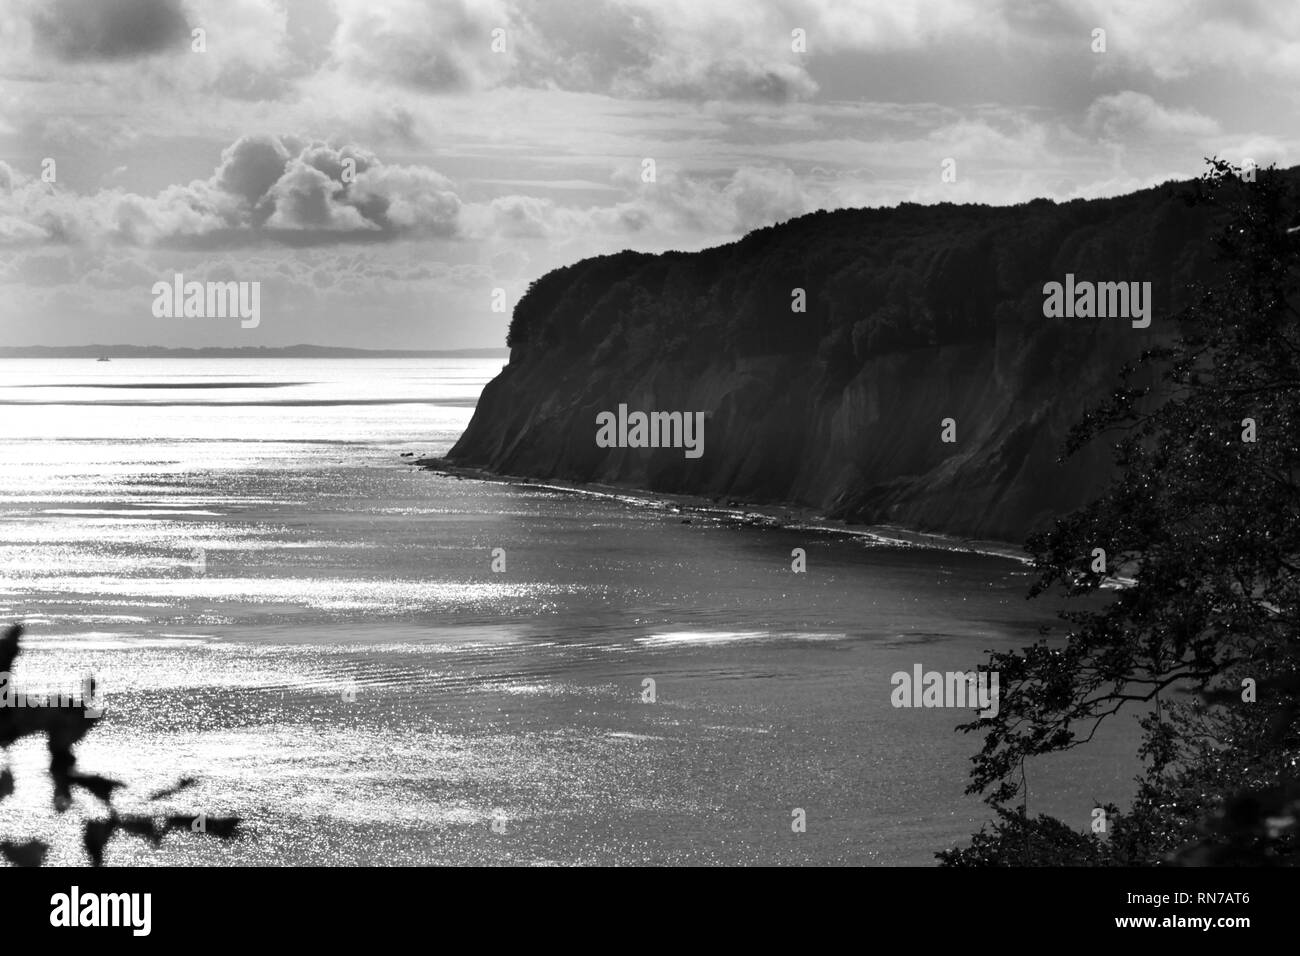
(1202, 523)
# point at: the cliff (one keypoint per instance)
(913, 315)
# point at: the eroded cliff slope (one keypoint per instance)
(913, 315)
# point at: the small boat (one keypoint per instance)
(103, 358)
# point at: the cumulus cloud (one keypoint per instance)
(306, 198)
(265, 189)
(284, 190)
(251, 166)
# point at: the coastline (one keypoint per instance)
(735, 512)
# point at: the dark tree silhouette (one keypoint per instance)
(1204, 525)
(64, 724)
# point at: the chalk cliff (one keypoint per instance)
(914, 314)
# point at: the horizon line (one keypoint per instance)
(108, 350)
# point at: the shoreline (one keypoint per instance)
(776, 516)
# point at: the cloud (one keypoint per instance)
(251, 166)
(1129, 115)
(285, 190)
(77, 30)
(662, 50)
(676, 203)
(741, 49)
(1171, 39)
(143, 48)
(434, 45)
(266, 189)
(408, 200)
(304, 198)
(750, 197)
(612, 47)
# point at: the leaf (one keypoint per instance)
(30, 853)
(183, 784)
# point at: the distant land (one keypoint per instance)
(285, 351)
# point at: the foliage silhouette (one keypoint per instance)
(64, 724)
(1204, 526)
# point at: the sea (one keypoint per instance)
(372, 664)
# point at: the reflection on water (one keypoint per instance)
(274, 601)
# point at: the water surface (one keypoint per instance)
(278, 603)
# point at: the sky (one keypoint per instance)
(394, 173)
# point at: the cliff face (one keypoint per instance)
(914, 315)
